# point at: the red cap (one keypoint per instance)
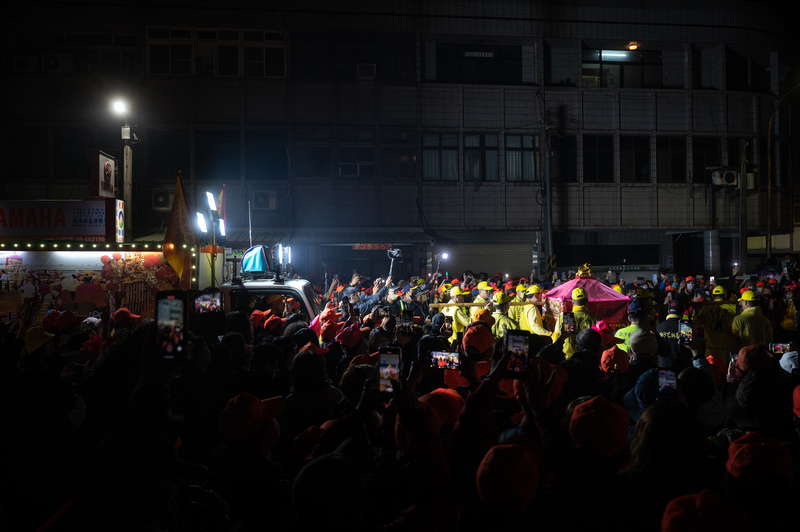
(311, 346)
(272, 322)
(699, 512)
(124, 314)
(330, 328)
(617, 356)
(753, 456)
(796, 401)
(245, 414)
(772, 280)
(477, 338)
(441, 406)
(601, 425)
(367, 360)
(349, 336)
(761, 283)
(258, 317)
(743, 290)
(751, 358)
(485, 316)
(606, 333)
(50, 319)
(66, 319)
(507, 477)
(690, 278)
(669, 288)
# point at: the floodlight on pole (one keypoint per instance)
(201, 221)
(212, 204)
(444, 256)
(120, 107)
(222, 227)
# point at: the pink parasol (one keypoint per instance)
(604, 302)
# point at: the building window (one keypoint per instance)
(733, 154)
(520, 158)
(440, 156)
(705, 153)
(563, 159)
(356, 161)
(671, 159)
(312, 161)
(598, 159)
(168, 152)
(217, 155)
(478, 64)
(621, 68)
(265, 156)
(634, 159)
(206, 52)
(480, 157)
(398, 155)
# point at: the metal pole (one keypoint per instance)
(250, 223)
(549, 199)
(213, 252)
(127, 164)
(743, 204)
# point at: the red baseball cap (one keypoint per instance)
(330, 328)
(508, 477)
(601, 425)
(547, 369)
(485, 316)
(615, 356)
(478, 338)
(311, 346)
(367, 360)
(245, 414)
(349, 336)
(751, 358)
(606, 333)
(753, 456)
(703, 511)
(66, 319)
(124, 314)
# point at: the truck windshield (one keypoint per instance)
(260, 299)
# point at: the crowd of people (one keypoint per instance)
(686, 416)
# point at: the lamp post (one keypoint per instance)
(215, 220)
(121, 108)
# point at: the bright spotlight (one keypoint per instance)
(222, 227)
(444, 255)
(201, 221)
(120, 107)
(212, 204)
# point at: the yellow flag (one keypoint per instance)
(179, 237)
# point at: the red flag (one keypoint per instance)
(221, 205)
(179, 237)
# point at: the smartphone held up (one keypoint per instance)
(171, 320)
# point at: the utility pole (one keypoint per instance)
(743, 204)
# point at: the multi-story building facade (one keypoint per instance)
(418, 124)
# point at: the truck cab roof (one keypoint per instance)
(248, 294)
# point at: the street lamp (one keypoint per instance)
(215, 218)
(121, 108)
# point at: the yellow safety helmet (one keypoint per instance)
(578, 293)
(618, 288)
(521, 288)
(749, 295)
(456, 291)
(719, 291)
(643, 294)
(534, 289)
(500, 298)
(483, 285)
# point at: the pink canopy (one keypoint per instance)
(604, 302)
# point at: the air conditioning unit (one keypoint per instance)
(26, 64)
(728, 177)
(366, 71)
(348, 169)
(56, 63)
(161, 199)
(264, 200)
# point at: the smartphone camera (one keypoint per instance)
(407, 323)
(445, 360)
(780, 348)
(568, 323)
(171, 323)
(517, 342)
(685, 332)
(389, 369)
(667, 384)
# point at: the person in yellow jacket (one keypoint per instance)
(583, 320)
(459, 315)
(502, 322)
(520, 295)
(751, 327)
(789, 321)
(484, 294)
(531, 318)
(716, 320)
